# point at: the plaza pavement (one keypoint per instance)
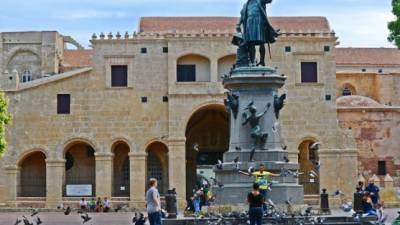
(51, 218)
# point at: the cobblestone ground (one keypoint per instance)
(111, 218)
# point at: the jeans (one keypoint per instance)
(155, 218)
(264, 192)
(196, 204)
(255, 216)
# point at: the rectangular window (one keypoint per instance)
(165, 49)
(381, 168)
(309, 72)
(119, 76)
(186, 73)
(63, 104)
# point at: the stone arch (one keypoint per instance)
(225, 63)
(80, 165)
(309, 162)
(193, 67)
(24, 59)
(31, 149)
(121, 139)
(207, 138)
(32, 174)
(157, 164)
(71, 141)
(121, 168)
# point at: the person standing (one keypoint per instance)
(256, 201)
(262, 179)
(153, 203)
(373, 190)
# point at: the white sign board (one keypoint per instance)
(79, 190)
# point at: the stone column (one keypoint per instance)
(104, 171)
(12, 183)
(177, 169)
(54, 183)
(137, 163)
(214, 70)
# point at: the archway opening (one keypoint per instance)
(347, 90)
(157, 165)
(309, 168)
(192, 68)
(32, 182)
(225, 64)
(207, 138)
(121, 170)
(80, 170)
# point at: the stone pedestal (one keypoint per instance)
(104, 177)
(54, 183)
(138, 180)
(257, 86)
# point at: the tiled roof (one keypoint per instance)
(367, 56)
(77, 58)
(228, 24)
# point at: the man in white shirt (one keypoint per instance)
(153, 203)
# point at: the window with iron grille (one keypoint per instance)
(309, 72)
(119, 76)
(186, 73)
(63, 103)
(154, 170)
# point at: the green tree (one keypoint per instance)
(394, 26)
(5, 118)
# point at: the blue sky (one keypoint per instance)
(358, 23)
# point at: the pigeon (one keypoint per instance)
(289, 201)
(286, 159)
(238, 148)
(296, 174)
(312, 174)
(118, 208)
(347, 207)
(220, 185)
(67, 211)
(315, 146)
(34, 212)
(338, 193)
(250, 170)
(219, 165)
(26, 221)
(141, 220)
(18, 221)
(196, 147)
(317, 165)
(284, 147)
(275, 127)
(236, 161)
(307, 212)
(38, 221)
(86, 218)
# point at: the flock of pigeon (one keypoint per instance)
(138, 219)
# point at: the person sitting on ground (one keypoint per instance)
(374, 191)
(83, 204)
(106, 205)
(99, 205)
(256, 202)
(367, 206)
(92, 205)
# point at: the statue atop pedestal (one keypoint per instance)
(256, 31)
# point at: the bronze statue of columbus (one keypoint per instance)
(256, 31)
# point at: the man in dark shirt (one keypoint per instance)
(373, 190)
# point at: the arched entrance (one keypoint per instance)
(32, 180)
(308, 160)
(207, 138)
(80, 170)
(157, 165)
(121, 170)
